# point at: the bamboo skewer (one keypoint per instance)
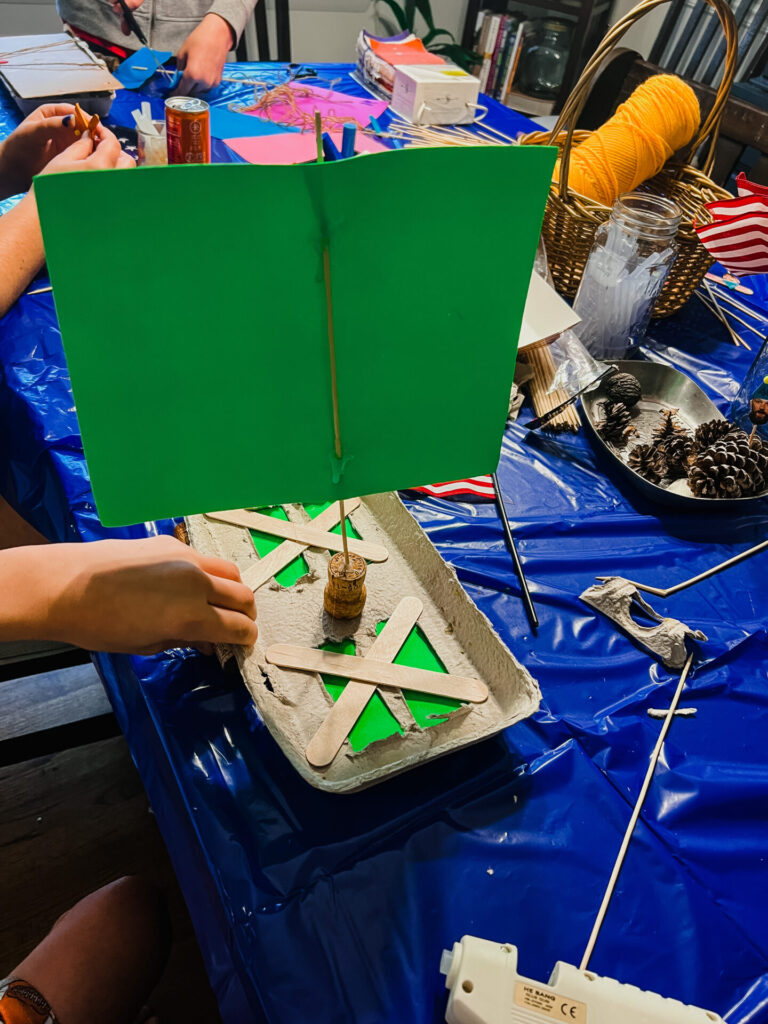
(541, 361)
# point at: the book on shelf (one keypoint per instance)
(487, 44)
(500, 39)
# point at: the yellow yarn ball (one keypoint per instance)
(661, 116)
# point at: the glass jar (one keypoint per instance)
(151, 146)
(542, 65)
(627, 267)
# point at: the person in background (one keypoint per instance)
(199, 32)
(130, 596)
(98, 964)
(43, 143)
(102, 958)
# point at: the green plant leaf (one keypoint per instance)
(398, 13)
(424, 7)
(434, 33)
(410, 14)
(464, 58)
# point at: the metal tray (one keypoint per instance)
(663, 388)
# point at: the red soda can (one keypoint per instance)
(188, 130)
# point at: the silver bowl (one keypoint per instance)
(663, 388)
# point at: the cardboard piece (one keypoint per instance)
(297, 148)
(422, 328)
(230, 124)
(54, 65)
(312, 98)
(546, 314)
(140, 66)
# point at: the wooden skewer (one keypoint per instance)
(365, 670)
(304, 533)
(352, 702)
(540, 360)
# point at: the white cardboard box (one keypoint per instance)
(435, 94)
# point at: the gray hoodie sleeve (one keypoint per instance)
(235, 12)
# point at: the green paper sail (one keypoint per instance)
(197, 341)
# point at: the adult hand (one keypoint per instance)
(131, 596)
(202, 55)
(40, 137)
(100, 152)
(132, 5)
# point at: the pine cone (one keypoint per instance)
(711, 431)
(624, 387)
(669, 426)
(674, 455)
(617, 423)
(729, 468)
(644, 460)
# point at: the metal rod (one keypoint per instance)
(530, 611)
(633, 820)
(661, 592)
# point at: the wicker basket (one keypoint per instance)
(570, 220)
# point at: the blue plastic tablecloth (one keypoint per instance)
(335, 909)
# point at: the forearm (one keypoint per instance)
(21, 250)
(15, 531)
(235, 13)
(7, 183)
(25, 599)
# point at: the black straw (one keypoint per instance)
(530, 611)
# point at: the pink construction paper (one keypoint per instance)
(330, 104)
(293, 148)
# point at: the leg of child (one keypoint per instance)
(103, 957)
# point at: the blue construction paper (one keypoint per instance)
(228, 124)
(140, 66)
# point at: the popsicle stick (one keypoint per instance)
(268, 566)
(368, 670)
(303, 533)
(352, 702)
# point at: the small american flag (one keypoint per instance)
(738, 235)
(477, 488)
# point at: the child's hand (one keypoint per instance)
(40, 137)
(101, 152)
(131, 596)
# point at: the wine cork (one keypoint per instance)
(345, 592)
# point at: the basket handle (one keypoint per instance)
(573, 105)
